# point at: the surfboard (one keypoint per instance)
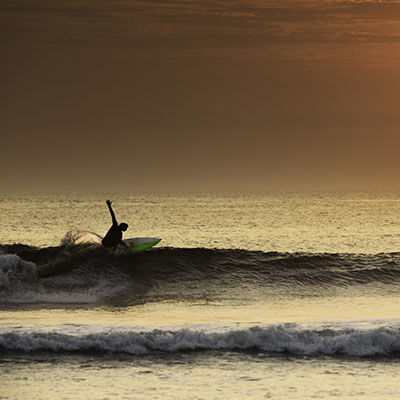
(139, 244)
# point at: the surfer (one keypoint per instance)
(114, 235)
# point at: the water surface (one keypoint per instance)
(275, 295)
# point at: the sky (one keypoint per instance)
(133, 96)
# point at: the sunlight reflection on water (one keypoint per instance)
(366, 222)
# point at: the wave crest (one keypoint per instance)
(288, 339)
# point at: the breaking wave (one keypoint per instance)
(13, 268)
(82, 271)
(288, 339)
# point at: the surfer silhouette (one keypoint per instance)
(114, 235)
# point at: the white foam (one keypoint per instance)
(13, 267)
(274, 339)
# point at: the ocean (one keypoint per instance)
(282, 295)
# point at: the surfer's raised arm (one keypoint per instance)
(114, 220)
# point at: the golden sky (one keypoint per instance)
(103, 95)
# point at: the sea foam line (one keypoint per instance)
(274, 339)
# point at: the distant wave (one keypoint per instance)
(90, 273)
(288, 339)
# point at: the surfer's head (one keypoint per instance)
(123, 226)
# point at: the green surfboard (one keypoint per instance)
(139, 244)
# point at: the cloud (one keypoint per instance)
(275, 31)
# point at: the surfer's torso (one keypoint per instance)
(113, 237)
